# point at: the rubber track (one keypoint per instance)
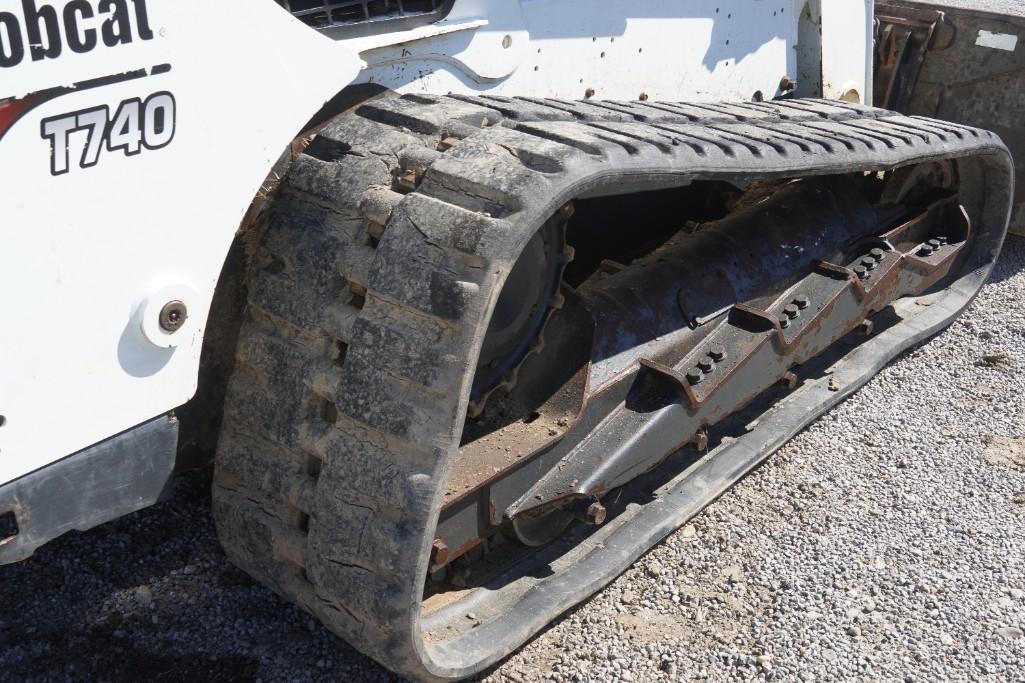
(370, 295)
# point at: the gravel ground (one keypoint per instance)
(885, 541)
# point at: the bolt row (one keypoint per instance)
(932, 245)
(868, 263)
(706, 364)
(793, 309)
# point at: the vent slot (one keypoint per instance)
(335, 13)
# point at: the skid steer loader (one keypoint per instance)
(506, 290)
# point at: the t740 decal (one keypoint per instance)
(135, 125)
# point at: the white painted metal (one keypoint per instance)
(82, 253)
(834, 49)
(89, 256)
(669, 50)
(847, 29)
(699, 50)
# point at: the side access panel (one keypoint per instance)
(964, 65)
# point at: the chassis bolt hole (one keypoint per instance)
(3, 420)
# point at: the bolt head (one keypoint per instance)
(926, 250)
(861, 271)
(589, 92)
(706, 364)
(784, 321)
(802, 301)
(877, 254)
(439, 552)
(596, 513)
(173, 315)
(791, 311)
(717, 352)
(643, 97)
(694, 375)
(934, 243)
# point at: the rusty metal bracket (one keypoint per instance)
(902, 42)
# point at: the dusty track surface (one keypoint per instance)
(887, 539)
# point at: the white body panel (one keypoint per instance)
(846, 53)
(698, 50)
(91, 254)
(82, 251)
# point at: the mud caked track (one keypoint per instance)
(370, 297)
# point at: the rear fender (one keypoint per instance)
(133, 136)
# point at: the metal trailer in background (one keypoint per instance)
(961, 61)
